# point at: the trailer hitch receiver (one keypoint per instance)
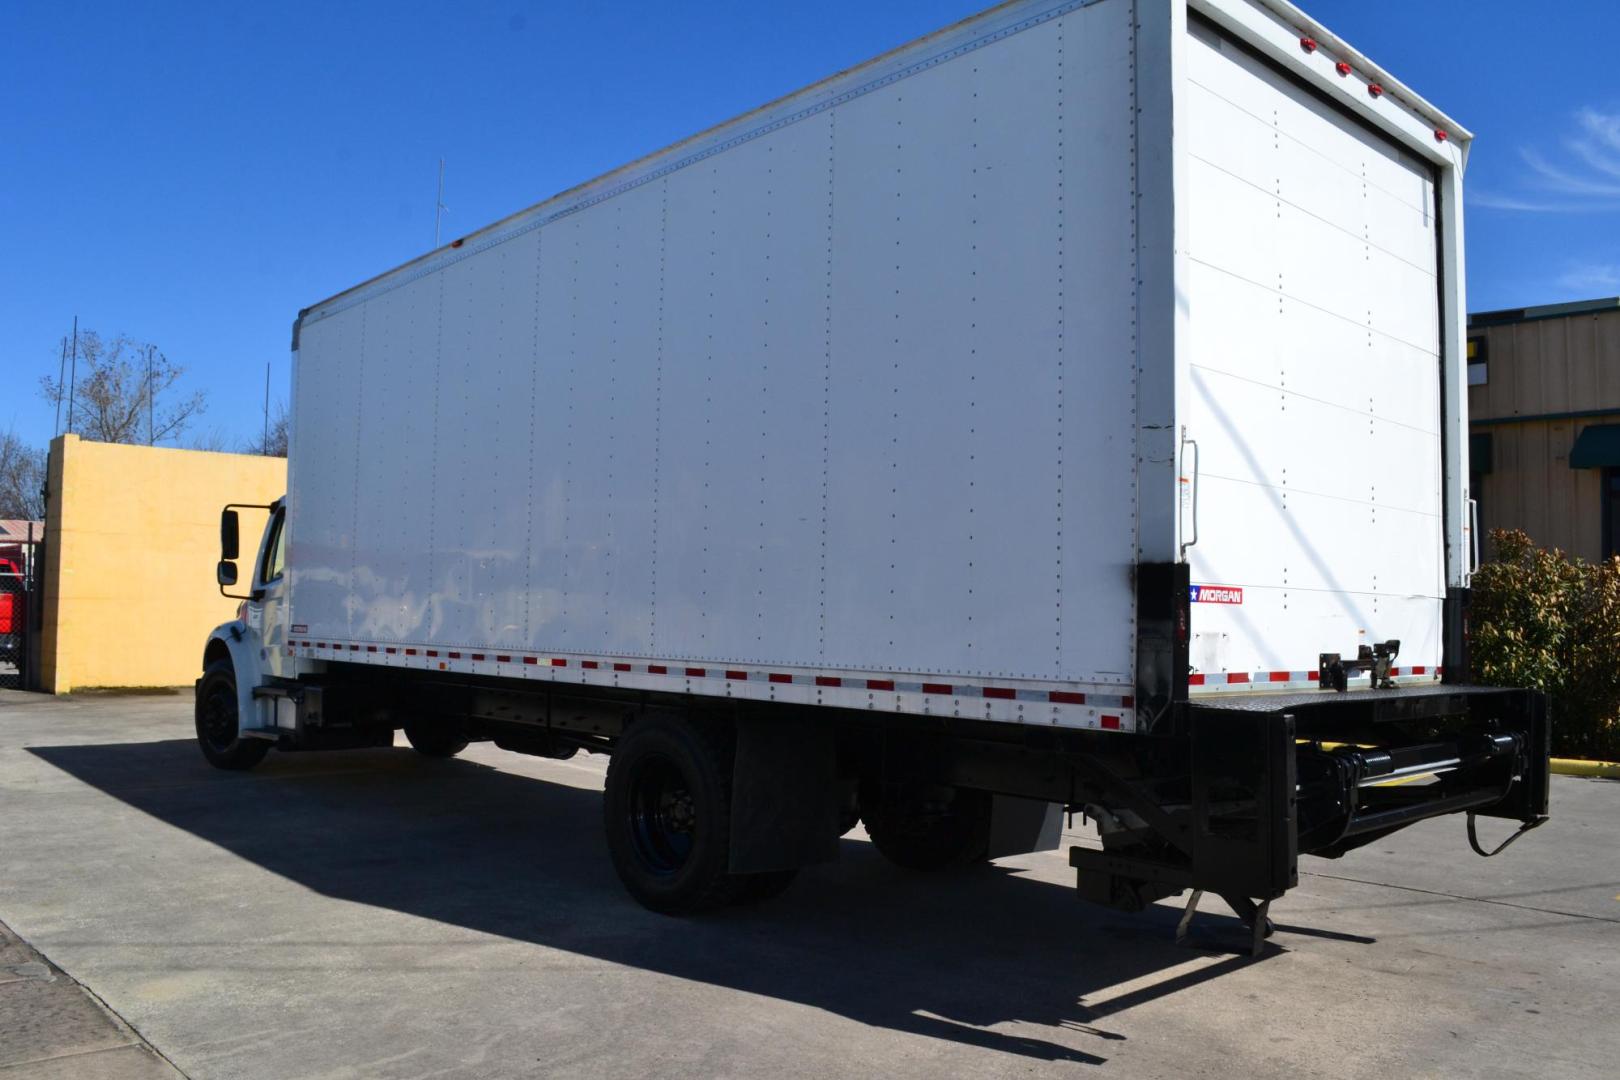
(1334, 671)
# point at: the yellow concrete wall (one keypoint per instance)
(129, 572)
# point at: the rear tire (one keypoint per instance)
(929, 829)
(758, 888)
(435, 739)
(219, 722)
(667, 812)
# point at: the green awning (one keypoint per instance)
(1596, 447)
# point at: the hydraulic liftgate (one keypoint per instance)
(1265, 778)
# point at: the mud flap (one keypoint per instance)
(784, 795)
(1020, 826)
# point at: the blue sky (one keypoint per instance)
(192, 175)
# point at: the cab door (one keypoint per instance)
(268, 613)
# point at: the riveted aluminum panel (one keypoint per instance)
(852, 391)
(397, 406)
(1314, 378)
(321, 474)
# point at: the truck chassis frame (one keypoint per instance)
(1223, 796)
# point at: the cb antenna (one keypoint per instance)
(438, 206)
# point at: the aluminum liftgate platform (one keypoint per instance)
(1265, 778)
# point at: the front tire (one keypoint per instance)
(219, 722)
(667, 811)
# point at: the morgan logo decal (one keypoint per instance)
(299, 628)
(1217, 594)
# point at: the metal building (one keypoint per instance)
(1544, 422)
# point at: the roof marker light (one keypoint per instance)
(1440, 135)
(1308, 44)
(1375, 90)
(1342, 68)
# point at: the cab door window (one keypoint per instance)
(275, 560)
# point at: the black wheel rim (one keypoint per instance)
(219, 718)
(663, 815)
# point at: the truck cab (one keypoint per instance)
(245, 659)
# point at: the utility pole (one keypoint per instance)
(73, 373)
(264, 443)
(61, 388)
(438, 206)
(149, 393)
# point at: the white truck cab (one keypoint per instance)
(239, 717)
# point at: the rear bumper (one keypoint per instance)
(1269, 777)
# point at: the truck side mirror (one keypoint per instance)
(226, 573)
(229, 539)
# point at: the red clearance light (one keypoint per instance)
(1308, 44)
(458, 243)
(1440, 135)
(1375, 90)
(1342, 68)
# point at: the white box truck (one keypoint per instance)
(1063, 412)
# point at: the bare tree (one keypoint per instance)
(120, 393)
(22, 479)
(273, 441)
(213, 440)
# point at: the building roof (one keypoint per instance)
(1508, 316)
(15, 531)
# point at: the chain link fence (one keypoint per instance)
(17, 614)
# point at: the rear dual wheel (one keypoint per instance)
(667, 811)
(924, 827)
(435, 738)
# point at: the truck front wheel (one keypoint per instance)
(928, 829)
(668, 814)
(218, 723)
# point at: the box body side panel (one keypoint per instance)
(855, 394)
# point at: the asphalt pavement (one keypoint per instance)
(379, 914)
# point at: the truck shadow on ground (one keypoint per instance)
(522, 857)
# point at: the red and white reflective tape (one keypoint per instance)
(1101, 709)
(1261, 679)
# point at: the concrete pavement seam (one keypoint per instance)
(140, 1037)
(71, 1054)
(1470, 899)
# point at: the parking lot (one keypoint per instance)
(378, 914)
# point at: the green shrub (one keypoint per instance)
(1550, 621)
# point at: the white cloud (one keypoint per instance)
(1566, 182)
(1483, 199)
(1583, 178)
(1604, 127)
(1592, 278)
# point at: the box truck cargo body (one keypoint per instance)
(1064, 410)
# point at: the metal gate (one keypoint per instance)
(21, 566)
